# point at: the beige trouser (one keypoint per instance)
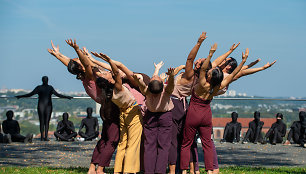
(128, 150)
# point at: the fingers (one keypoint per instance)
(237, 45)
(247, 52)
(272, 62)
(52, 44)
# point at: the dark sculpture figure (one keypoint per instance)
(303, 135)
(277, 131)
(12, 128)
(6, 138)
(254, 132)
(44, 106)
(296, 132)
(232, 130)
(91, 125)
(65, 129)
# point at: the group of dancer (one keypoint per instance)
(274, 135)
(147, 118)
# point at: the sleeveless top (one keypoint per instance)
(92, 90)
(123, 99)
(159, 103)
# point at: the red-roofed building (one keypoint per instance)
(220, 123)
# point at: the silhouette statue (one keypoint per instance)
(12, 128)
(65, 129)
(91, 125)
(44, 106)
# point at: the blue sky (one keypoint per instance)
(139, 33)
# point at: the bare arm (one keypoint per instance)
(170, 86)
(178, 69)
(206, 63)
(142, 86)
(83, 58)
(115, 70)
(251, 64)
(192, 55)
(220, 59)
(56, 53)
(157, 68)
(250, 71)
(230, 77)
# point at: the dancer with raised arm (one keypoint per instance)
(97, 88)
(128, 152)
(44, 106)
(199, 116)
(157, 120)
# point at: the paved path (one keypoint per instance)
(74, 154)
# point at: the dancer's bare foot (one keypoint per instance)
(100, 170)
(92, 169)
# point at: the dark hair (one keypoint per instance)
(216, 77)
(105, 86)
(155, 87)
(9, 113)
(75, 68)
(280, 115)
(197, 70)
(233, 63)
(302, 115)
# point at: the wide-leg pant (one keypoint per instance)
(157, 141)
(199, 118)
(107, 145)
(128, 151)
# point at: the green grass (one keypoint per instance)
(225, 170)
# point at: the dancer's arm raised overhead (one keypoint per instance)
(142, 86)
(221, 58)
(96, 62)
(157, 68)
(178, 69)
(250, 65)
(122, 68)
(56, 53)
(230, 77)
(189, 72)
(170, 86)
(205, 65)
(83, 58)
(115, 70)
(249, 71)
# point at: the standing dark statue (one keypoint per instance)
(12, 128)
(91, 125)
(232, 130)
(254, 132)
(65, 129)
(44, 106)
(277, 131)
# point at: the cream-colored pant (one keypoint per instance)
(128, 150)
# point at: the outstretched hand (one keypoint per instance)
(86, 52)
(268, 65)
(163, 76)
(72, 44)
(159, 65)
(234, 46)
(202, 37)
(245, 55)
(102, 56)
(55, 50)
(213, 48)
(171, 72)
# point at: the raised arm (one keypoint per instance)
(123, 69)
(83, 58)
(142, 86)
(178, 69)
(221, 58)
(250, 71)
(250, 65)
(115, 70)
(157, 68)
(230, 77)
(35, 91)
(56, 53)
(206, 63)
(170, 85)
(189, 72)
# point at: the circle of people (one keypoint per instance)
(148, 119)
